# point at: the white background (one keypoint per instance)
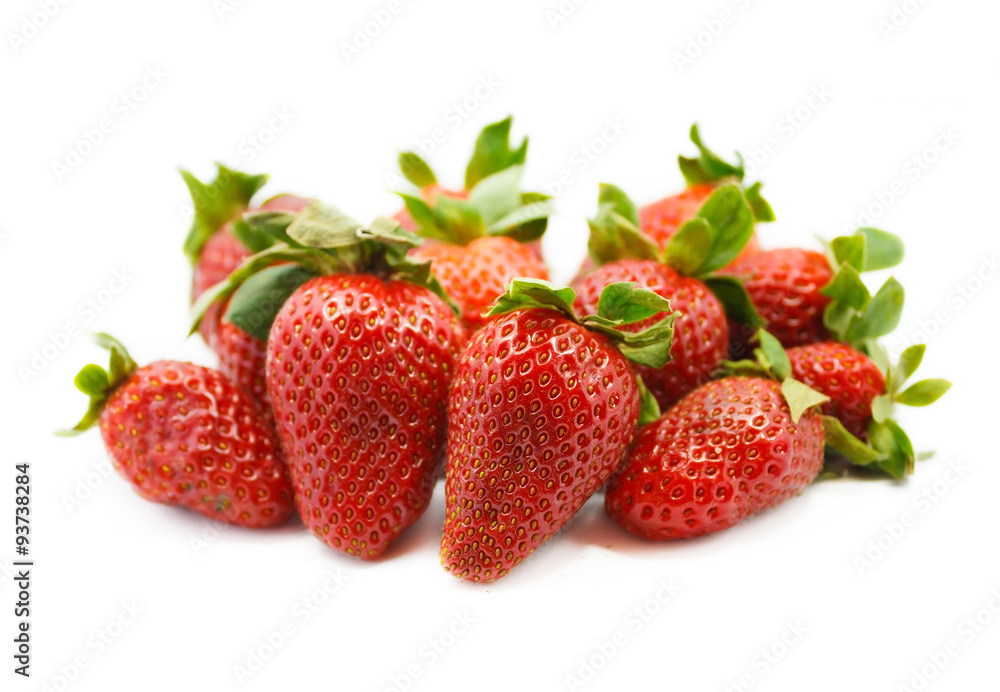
(124, 209)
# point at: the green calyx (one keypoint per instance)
(98, 383)
(291, 249)
(701, 246)
(217, 202)
(771, 361)
(885, 434)
(854, 314)
(620, 304)
(710, 168)
(495, 204)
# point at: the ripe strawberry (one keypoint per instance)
(683, 272)
(850, 378)
(243, 359)
(727, 450)
(484, 235)
(701, 335)
(358, 366)
(542, 411)
(660, 220)
(183, 434)
(802, 294)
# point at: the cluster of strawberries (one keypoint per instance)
(692, 376)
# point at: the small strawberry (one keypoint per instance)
(683, 272)
(183, 434)
(799, 293)
(729, 449)
(360, 351)
(542, 411)
(660, 220)
(485, 235)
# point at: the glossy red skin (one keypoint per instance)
(357, 372)
(850, 378)
(528, 439)
(727, 450)
(661, 219)
(475, 275)
(183, 434)
(784, 286)
(701, 333)
(243, 359)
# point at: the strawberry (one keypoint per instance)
(486, 234)
(729, 449)
(660, 220)
(360, 351)
(183, 434)
(682, 272)
(795, 292)
(542, 411)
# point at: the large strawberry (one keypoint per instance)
(683, 271)
(542, 411)
(484, 236)
(660, 220)
(800, 292)
(360, 352)
(727, 450)
(183, 434)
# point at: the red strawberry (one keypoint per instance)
(727, 450)
(358, 366)
(541, 412)
(850, 378)
(701, 336)
(183, 434)
(684, 272)
(243, 359)
(484, 235)
(785, 287)
(475, 274)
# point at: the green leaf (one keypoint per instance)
(847, 287)
(884, 249)
(837, 316)
(624, 303)
(98, 384)
(423, 217)
(258, 300)
(708, 167)
(216, 203)
(735, 300)
(460, 220)
(909, 361)
(923, 393)
(800, 397)
(745, 368)
(493, 153)
(889, 439)
(497, 195)
(524, 224)
(874, 350)
(762, 211)
(322, 225)
(847, 445)
(619, 201)
(613, 237)
(416, 170)
(688, 248)
(731, 218)
(882, 408)
(534, 293)
(772, 355)
(92, 380)
(260, 230)
(881, 316)
(649, 408)
(849, 250)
